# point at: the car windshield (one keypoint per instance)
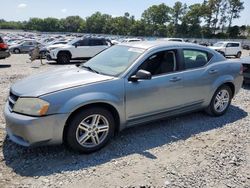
(219, 44)
(114, 60)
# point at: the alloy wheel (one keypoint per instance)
(221, 101)
(92, 131)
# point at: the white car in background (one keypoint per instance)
(173, 39)
(78, 49)
(228, 48)
(132, 40)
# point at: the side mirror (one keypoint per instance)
(76, 45)
(141, 75)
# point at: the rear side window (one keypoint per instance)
(97, 42)
(233, 45)
(195, 58)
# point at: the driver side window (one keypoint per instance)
(160, 63)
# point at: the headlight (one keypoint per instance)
(31, 106)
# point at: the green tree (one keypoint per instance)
(193, 19)
(157, 14)
(51, 25)
(224, 16)
(96, 22)
(234, 32)
(234, 9)
(73, 24)
(178, 11)
(35, 24)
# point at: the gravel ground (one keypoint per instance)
(193, 150)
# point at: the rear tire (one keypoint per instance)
(63, 58)
(238, 55)
(90, 130)
(220, 101)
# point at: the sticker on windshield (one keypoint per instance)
(137, 50)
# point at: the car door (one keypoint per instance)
(96, 46)
(231, 49)
(198, 77)
(26, 46)
(162, 93)
(80, 49)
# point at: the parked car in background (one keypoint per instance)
(43, 50)
(246, 47)
(174, 39)
(125, 85)
(246, 69)
(4, 49)
(77, 49)
(203, 43)
(131, 40)
(24, 46)
(228, 48)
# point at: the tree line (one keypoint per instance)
(212, 18)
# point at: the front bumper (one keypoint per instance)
(50, 56)
(34, 131)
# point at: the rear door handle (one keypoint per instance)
(175, 79)
(213, 71)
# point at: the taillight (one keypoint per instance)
(241, 69)
(3, 46)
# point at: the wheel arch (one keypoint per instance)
(104, 105)
(231, 86)
(64, 51)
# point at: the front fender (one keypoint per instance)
(90, 98)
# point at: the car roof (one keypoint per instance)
(228, 42)
(171, 39)
(98, 38)
(161, 43)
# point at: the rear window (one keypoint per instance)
(195, 58)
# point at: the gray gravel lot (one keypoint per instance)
(192, 150)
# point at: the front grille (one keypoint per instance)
(12, 100)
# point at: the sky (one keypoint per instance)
(20, 10)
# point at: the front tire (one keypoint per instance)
(220, 101)
(17, 51)
(63, 58)
(90, 130)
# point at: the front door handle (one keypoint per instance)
(175, 79)
(214, 71)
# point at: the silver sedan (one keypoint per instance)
(125, 85)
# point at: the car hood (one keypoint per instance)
(246, 60)
(14, 46)
(55, 80)
(215, 48)
(55, 46)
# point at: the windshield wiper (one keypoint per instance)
(90, 69)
